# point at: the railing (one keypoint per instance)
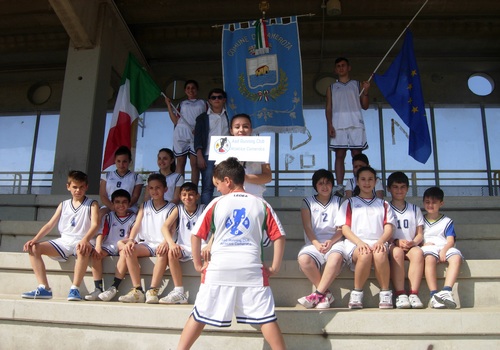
(298, 182)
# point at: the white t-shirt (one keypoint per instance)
(254, 168)
(322, 217)
(242, 224)
(190, 110)
(408, 220)
(127, 182)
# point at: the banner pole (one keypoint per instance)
(394, 44)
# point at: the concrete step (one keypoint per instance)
(476, 286)
(53, 324)
(475, 241)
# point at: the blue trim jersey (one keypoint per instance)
(437, 231)
(152, 221)
(242, 224)
(115, 228)
(127, 182)
(408, 220)
(75, 222)
(186, 222)
(322, 217)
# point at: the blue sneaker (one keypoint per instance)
(38, 293)
(74, 295)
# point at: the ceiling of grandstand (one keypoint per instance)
(180, 39)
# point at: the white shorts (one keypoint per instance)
(183, 142)
(111, 249)
(66, 247)
(151, 247)
(187, 253)
(350, 138)
(216, 304)
(319, 258)
(349, 247)
(435, 249)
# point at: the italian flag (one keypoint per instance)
(137, 92)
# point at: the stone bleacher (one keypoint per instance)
(123, 326)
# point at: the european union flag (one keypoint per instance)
(401, 87)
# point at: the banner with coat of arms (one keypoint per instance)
(262, 72)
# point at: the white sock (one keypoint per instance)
(74, 287)
(179, 289)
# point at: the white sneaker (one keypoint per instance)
(415, 302)
(403, 302)
(433, 303)
(134, 296)
(175, 297)
(446, 297)
(385, 299)
(327, 301)
(108, 294)
(94, 295)
(152, 296)
(356, 300)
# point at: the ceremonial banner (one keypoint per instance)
(263, 73)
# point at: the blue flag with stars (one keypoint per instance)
(401, 87)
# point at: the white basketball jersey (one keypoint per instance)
(186, 223)
(408, 220)
(366, 217)
(173, 180)
(152, 221)
(322, 217)
(437, 231)
(346, 107)
(242, 224)
(75, 222)
(126, 182)
(190, 110)
(115, 228)
(254, 168)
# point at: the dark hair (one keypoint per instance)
(357, 190)
(189, 186)
(241, 115)
(159, 177)
(321, 174)
(232, 169)
(434, 193)
(77, 176)
(123, 150)
(191, 81)
(120, 193)
(398, 177)
(171, 154)
(361, 157)
(340, 59)
(217, 91)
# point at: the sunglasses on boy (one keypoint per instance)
(216, 97)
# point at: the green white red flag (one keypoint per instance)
(137, 92)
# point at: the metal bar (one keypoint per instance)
(486, 149)
(33, 151)
(434, 144)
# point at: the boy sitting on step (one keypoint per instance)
(77, 220)
(439, 247)
(150, 218)
(115, 226)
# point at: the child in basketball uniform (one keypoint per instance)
(235, 280)
(121, 178)
(115, 226)
(166, 165)
(439, 247)
(184, 119)
(367, 223)
(182, 220)
(358, 161)
(324, 241)
(150, 218)
(77, 220)
(257, 174)
(405, 245)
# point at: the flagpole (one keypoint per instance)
(172, 105)
(394, 44)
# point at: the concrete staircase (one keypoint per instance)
(119, 326)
